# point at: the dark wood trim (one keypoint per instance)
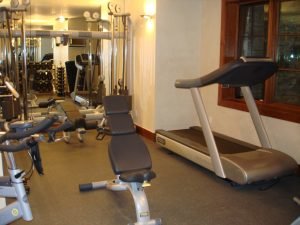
(298, 171)
(275, 110)
(228, 52)
(145, 133)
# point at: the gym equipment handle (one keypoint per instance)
(43, 125)
(19, 147)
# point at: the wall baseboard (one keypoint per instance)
(145, 133)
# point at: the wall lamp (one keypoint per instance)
(147, 17)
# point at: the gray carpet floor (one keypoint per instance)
(182, 194)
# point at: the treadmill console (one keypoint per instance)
(83, 59)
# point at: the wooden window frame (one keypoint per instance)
(229, 52)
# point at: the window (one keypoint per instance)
(264, 28)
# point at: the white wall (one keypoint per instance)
(60, 53)
(177, 56)
(46, 46)
(143, 64)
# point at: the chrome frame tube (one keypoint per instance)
(256, 118)
(209, 138)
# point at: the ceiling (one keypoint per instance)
(44, 12)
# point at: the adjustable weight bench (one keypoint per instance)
(129, 157)
(77, 119)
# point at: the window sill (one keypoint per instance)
(276, 110)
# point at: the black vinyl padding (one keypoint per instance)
(47, 103)
(90, 125)
(71, 71)
(83, 59)
(129, 156)
(128, 153)
(235, 74)
(120, 124)
(73, 115)
(116, 104)
(138, 176)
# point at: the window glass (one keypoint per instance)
(287, 87)
(260, 28)
(253, 30)
(253, 37)
(288, 51)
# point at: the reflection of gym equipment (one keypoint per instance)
(40, 76)
(79, 123)
(42, 81)
(235, 160)
(71, 71)
(90, 114)
(66, 111)
(9, 102)
(129, 157)
(13, 71)
(84, 79)
(60, 81)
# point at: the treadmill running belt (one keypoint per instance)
(194, 138)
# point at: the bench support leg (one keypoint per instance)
(138, 195)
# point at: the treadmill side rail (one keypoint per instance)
(261, 164)
(256, 118)
(187, 152)
(209, 138)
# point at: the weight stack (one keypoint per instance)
(60, 81)
(10, 108)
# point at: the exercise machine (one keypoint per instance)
(12, 64)
(66, 110)
(79, 122)
(82, 63)
(120, 23)
(9, 102)
(129, 157)
(229, 158)
(12, 186)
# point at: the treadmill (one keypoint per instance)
(229, 158)
(85, 64)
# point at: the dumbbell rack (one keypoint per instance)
(42, 76)
(60, 81)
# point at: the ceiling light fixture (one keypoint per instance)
(61, 19)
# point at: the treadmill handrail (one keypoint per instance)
(242, 72)
(207, 132)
